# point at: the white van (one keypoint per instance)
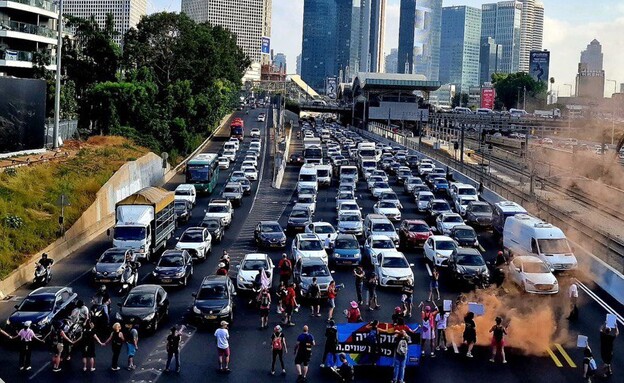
(368, 166)
(324, 174)
(518, 112)
(462, 110)
(230, 146)
(503, 210)
(349, 170)
(526, 235)
(307, 177)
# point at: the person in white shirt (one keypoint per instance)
(441, 320)
(573, 295)
(223, 347)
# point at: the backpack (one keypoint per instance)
(401, 349)
(277, 342)
(314, 291)
(286, 266)
(353, 315)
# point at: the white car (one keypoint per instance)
(350, 222)
(425, 168)
(186, 192)
(391, 196)
(261, 117)
(380, 187)
(308, 200)
(438, 249)
(251, 161)
(344, 196)
(255, 132)
(422, 200)
(249, 268)
(446, 221)
(533, 275)
(381, 174)
(393, 269)
(376, 244)
(197, 241)
(348, 206)
(221, 209)
(372, 180)
(224, 163)
(230, 155)
(307, 245)
(250, 172)
(235, 142)
(322, 230)
(256, 146)
(389, 209)
(461, 203)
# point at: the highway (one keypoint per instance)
(540, 359)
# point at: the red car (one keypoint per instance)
(414, 233)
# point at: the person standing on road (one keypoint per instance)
(400, 357)
(26, 336)
(265, 306)
(173, 348)
(278, 348)
(359, 276)
(87, 346)
(573, 296)
(428, 328)
(373, 281)
(223, 347)
(498, 342)
(470, 332)
(285, 269)
(345, 370)
(331, 299)
(131, 336)
(434, 284)
(303, 353)
(289, 304)
(441, 320)
(57, 341)
(116, 339)
(407, 293)
(314, 294)
(353, 313)
(607, 340)
(281, 297)
(331, 344)
(589, 365)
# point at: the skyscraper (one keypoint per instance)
(126, 13)
(367, 35)
(489, 59)
(420, 25)
(279, 61)
(392, 61)
(298, 69)
(502, 21)
(319, 44)
(377, 35)
(531, 31)
(460, 47)
(590, 78)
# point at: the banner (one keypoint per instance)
(266, 46)
(360, 349)
(539, 63)
(398, 111)
(487, 98)
(331, 87)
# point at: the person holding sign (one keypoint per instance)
(428, 328)
(589, 365)
(607, 340)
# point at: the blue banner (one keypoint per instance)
(361, 349)
(266, 46)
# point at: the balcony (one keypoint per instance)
(47, 7)
(19, 30)
(21, 59)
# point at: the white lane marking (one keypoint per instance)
(39, 371)
(428, 269)
(266, 148)
(600, 301)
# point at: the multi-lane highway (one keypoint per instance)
(540, 358)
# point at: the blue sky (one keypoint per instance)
(569, 26)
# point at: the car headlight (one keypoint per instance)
(118, 316)
(226, 310)
(8, 322)
(241, 279)
(93, 270)
(180, 273)
(119, 271)
(438, 255)
(196, 310)
(149, 317)
(43, 322)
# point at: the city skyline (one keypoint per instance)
(568, 28)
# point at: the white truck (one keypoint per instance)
(144, 221)
(311, 141)
(552, 113)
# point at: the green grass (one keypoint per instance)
(32, 194)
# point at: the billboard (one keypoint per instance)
(266, 46)
(487, 97)
(539, 63)
(331, 87)
(361, 349)
(398, 111)
(22, 114)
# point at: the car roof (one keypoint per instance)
(468, 250)
(321, 223)
(449, 215)
(145, 289)
(415, 221)
(439, 200)
(47, 290)
(527, 259)
(392, 253)
(312, 261)
(269, 223)
(172, 252)
(117, 250)
(185, 187)
(462, 227)
(442, 238)
(255, 256)
(307, 236)
(379, 236)
(346, 236)
(194, 229)
(214, 279)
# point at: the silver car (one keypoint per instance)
(308, 268)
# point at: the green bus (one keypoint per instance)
(203, 172)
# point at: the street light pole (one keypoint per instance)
(613, 111)
(57, 96)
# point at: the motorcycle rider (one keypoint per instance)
(132, 266)
(46, 263)
(102, 298)
(80, 313)
(225, 259)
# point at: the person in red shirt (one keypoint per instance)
(290, 302)
(221, 269)
(353, 314)
(331, 298)
(285, 269)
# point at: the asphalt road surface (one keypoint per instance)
(558, 361)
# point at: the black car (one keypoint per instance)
(183, 210)
(467, 268)
(437, 207)
(412, 161)
(479, 214)
(214, 301)
(42, 307)
(298, 219)
(215, 228)
(270, 234)
(464, 235)
(297, 159)
(174, 267)
(233, 191)
(145, 306)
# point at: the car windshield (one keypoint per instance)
(183, 192)
(348, 171)
(349, 206)
(322, 172)
(345, 196)
(394, 263)
(171, 261)
(197, 173)
(37, 304)
(381, 185)
(383, 244)
(306, 200)
(129, 233)
(212, 292)
(307, 177)
(299, 213)
(349, 218)
(324, 229)
(467, 191)
(211, 225)
(481, 208)
(445, 245)
(139, 300)
(255, 264)
(470, 260)
(217, 209)
(346, 243)
(418, 227)
(274, 228)
(179, 205)
(112, 257)
(535, 268)
(231, 189)
(383, 227)
(192, 236)
(452, 219)
(554, 246)
(389, 196)
(425, 197)
(387, 204)
(440, 206)
(314, 271)
(465, 233)
(308, 245)
(249, 170)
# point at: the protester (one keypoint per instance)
(331, 299)
(26, 336)
(87, 346)
(131, 337)
(589, 365)
(281, 297)
(331, 344)
(303, 353)
(278, 348)
(265, 306)
(372, 291)
(400, 357)
(223, 346)
(607, 340)
(372, 339)
(173, 348)
(103, 298)
(470, 332)
(498, 342)
(398, 313)
(314, 295)
(80, 313)
(359, 276)
(285, 269)
(57, 342)
(290, 302)
(328, 243)
(407, 292)
(221, 270)
(117, 340)
(428, 328)
(225, 259)
(434, 284)
(441, 320)
(573, 296)
(345, 371)
(353, 313)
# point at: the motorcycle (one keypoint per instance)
(98, 316)
(42, 275)
(129, 279)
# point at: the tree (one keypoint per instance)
(460, 100)
(510, 89)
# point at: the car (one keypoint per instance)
(254, 132)
(464, 235)
(348, 206)
(297, 159)
(439, 185)
(393, 270)
(215, 228)
(346, 188)
(238, 176)
(308, 200)
(372, 180)
(307, 190)
(197, 241)
(299, 218)
(446, 221)
(250, 172)
(250, 160)
(410, 183)
(111, 265)
(42, 307)
(422, 200)
(379, 188)
(345, 196)
(233, 141)
(402, 173)
(269, 234)
(438, 249)
(420, 188)
(214, 300)
(233, 191)
(249, 268)
(186, 192)
(391, 196)
(145, 306)
(230, 154)
(174, 267)
(413, 233)
(322, 230)
(436, 207)
(389, 209)
(350, 222)
(255, 146)
(425, 168)
(461, 203)
(307, 245)
(224, 162)
(313, 267)
(346, 250)
(374, 245)
(377, 224)
(222, 209)
(246, 184)
(467, 267)
(261, 117)
(533, 275)
(479, 214)
(183, 210)
(380, 173)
